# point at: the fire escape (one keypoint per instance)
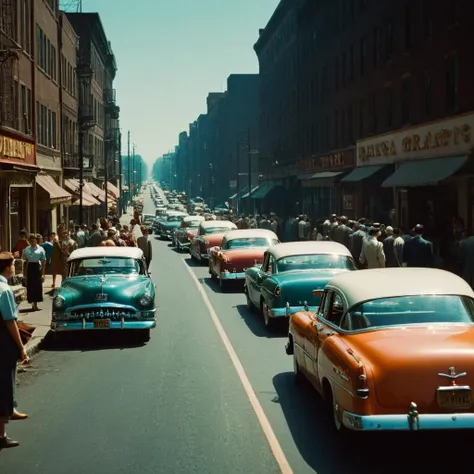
(112, 113)
(9, 55)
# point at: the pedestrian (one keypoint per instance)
(144, 243)
(21, 244)
(35, 258)
(372, 252)
(11, 348)
(398, 245)
(418, 252)
(48, 250)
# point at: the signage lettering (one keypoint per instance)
(426, 141)
(11, 148)
(335, 160)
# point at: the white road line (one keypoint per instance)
(257, 407)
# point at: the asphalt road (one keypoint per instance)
(177, 404)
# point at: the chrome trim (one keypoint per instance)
(452, 374)
(341, 374)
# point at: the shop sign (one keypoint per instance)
(333, 161)
(13, 149)
(434, 140)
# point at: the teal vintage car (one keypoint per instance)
(107, 288)
(293, 276)
(166, 227)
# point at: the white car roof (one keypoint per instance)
(366, 285)
(249, 233)
(213, 223)
(291, 249)
(97, 252)
(193, 218)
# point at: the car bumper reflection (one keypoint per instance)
(287, 311)
(408, 422)
(232, 275)
(63, 326)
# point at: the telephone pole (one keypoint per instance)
(129, 170)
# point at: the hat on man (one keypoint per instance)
(389, 228)
(419, 228)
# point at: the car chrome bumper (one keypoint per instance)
(64, 326)
(408, 422)
(289, 310)
(232, 275)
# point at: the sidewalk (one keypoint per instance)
(41, 319)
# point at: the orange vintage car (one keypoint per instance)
(239, 250)
(209, 235)
(390, 349)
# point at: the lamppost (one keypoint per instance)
(85, 121)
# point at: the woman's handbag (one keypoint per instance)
(26, 331)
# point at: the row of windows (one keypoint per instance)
(389, 108)
(68, 76)
(22, 107)
(24, 22)
(46, 54)
(98, 112)
(98, 69)
(46, 126)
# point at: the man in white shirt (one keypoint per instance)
(372, 252)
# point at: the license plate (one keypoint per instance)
(101, 323)
(101, 297)
(454, 398)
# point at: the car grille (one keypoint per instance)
(114, 314)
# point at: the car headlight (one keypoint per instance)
(277, 291)
(59, 302)
(145, 301)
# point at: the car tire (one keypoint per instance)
(222, 284)
(297, 374)
(269, 322)
(144, 335)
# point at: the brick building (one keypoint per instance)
(17, 121)
(377, 85)
(98, 113)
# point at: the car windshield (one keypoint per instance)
(404, 310)
(314, 262)
(194, 224)
(215, 230)
(105, 265)
(250, 242)
(174, 219)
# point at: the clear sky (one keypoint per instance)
(170, 54)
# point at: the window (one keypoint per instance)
(376, 51)
(54, 137)
(24, 109)
(406, 100)
(16, 106)
(428, 92)
(351, 62)
(452, 81)
(373, 112)
(53, 63)
(363, 55)
(408, 27)
(38, 122)
(50, 129)
(336, 128)
(361, 118)
(350, 123)
(389, 105)
(428, 18)
(390, 40)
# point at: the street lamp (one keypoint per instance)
(85, 121)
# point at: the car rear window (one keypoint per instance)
(406, 310)
(250, 242)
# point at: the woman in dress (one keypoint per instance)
(11, 348)
(35, 258)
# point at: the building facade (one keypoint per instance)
(17, 122)
(98, 113)
(365, 69)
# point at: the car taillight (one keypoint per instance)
(362, 387)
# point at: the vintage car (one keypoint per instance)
(390, 349)
(166, 227)
(293, 276)
(186, 231)
(239, 250)
(107, 288)
(209, 235)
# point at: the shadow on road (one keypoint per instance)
(254, 322)
(327, 452)
(194, 263)
(92, 341)
(231, 287)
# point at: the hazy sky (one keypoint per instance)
(170, 54)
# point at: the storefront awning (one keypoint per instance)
(73, 185)
(240, 193)
(246, 195)
(424, 173)
(361, 173)
(95, 191)
(56, 193)
(112, 189)
(263, 190)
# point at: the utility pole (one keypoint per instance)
(128, 169)
(250, 169)
(134, 178)
(120, 199)
(106, 176)
(238, 177)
